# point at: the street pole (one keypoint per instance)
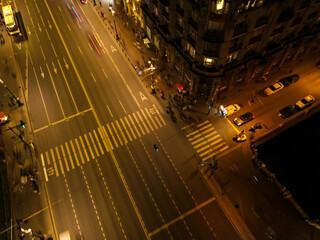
(114, 21)
(15, 98)
(115, 28)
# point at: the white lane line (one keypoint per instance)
(84, 148)
(69, 154)
(109, 111)
(44, 167)
(94, 145)
(134, 136)
(74, 153)
(59, 159)
(54, 162)
(98, 141)
(125, 128)
(79, 150)
(88, 143)
(123, 107)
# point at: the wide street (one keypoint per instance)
(95, 125)
(95, 128)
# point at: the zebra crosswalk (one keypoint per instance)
(91, 145)
(205, 140)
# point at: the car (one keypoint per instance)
(244, 118)
(287, 111)
(273, 88)
(84, 1)
(286, 81)
(231, 109)
(305, 102)
(4, 118)
(318, 64)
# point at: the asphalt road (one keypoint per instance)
(95, 126)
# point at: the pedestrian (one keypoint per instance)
(282, 190)
(100, 4)
(288, 196)
(203, 163)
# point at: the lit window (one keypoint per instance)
(232, 57)
(219, 5)
(208, 62)
(259, 3)
(247, 6)
(156, 11)
(191, 50)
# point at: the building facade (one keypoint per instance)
(216, 45)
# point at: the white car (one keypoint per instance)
(273, 88)
(305, 102)
(231, 109)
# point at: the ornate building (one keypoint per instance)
(216, 45)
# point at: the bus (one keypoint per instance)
(10, 20)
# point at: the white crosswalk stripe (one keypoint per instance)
(93, 144)
(205, 140)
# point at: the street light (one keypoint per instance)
(114, 21)
(15, 98)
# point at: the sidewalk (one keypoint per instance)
(20, 159)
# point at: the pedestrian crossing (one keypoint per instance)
(205, 140)
(91, 145)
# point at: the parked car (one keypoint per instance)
(305, 102)
(231, 109)
(84, 1)
(4, 118)
(287, 111)
(286, 81)
(273, 88)
(244, 118)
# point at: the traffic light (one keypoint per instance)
(156, 148)
(22, 124)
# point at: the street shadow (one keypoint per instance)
(22, 36)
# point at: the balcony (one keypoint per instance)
(206, 71)
(191, 41)
(214, 36)
(155, 2)
(277, 31)
(179, 28)
(164, 2)
(235, 48)
(164, 30)
(165, 15)
(177, 43)
(180, 11)
(261, 21)
(211, 53)
(193, 24)
(286, 15)
(255, 39)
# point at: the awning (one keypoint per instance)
(180, 86)
(146, 41)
